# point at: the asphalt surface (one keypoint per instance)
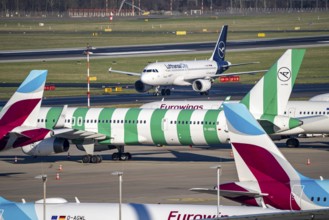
(218, 92)
(51, 54)
(154, 175)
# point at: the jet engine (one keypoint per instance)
(47, 146)
(142, 87)
(201, 85)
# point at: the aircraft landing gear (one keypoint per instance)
(92, 159)
(156, 91)
(292, 142)
(204, 93)
(165, 92)
(121, 155)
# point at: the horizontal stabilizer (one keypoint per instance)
(240, 64)
(124, 72)
(229, 193)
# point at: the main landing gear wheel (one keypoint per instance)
(292, 142)
(92, 159)
(204, 93)
(165, 92)
(121, 156)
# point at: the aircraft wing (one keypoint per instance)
(72, 134)
(285, 215)
(228, 193)
(240, 73)
(124, 72)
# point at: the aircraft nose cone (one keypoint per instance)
(145, 78)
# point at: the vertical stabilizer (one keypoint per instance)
(23, 107)
(218, 54)
(271, 93)
(257, 158)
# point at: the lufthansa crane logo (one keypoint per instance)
(284, 74)
(221, 49)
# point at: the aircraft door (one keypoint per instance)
(296, 195)
(164, 124)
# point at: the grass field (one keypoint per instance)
(62, 33)
(27, 34)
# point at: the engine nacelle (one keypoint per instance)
(142, 87)
(47, 147)
(201, 85)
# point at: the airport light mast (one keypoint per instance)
(219, 169)
(118, 173)
(88, 52)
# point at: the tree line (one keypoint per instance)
(156, 5)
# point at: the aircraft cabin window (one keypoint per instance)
(38, 120)
(285, 112)
(129, 121)
(318, 199)
(121, 121)
(144, 121)
(325, 199)
(87, 121)
(41, 120)
(312, 198)
(68, 120)
(125, 121)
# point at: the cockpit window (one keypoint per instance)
(144, 70)
(149, 71)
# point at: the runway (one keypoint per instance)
(78, 53)
(155, 175)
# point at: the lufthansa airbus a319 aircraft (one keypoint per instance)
(198, 73)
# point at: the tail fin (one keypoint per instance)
(23, 107)
(257, 158)
(218, 54)
(271, 94)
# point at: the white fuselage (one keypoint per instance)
(97, 211)
(314, 115)
(181, 73)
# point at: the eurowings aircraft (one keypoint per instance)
(313, 114)
(18, 118)
(266, 178)
(97, 129)
(198, 73)
(60, 209)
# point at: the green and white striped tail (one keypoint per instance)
(271, 94)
